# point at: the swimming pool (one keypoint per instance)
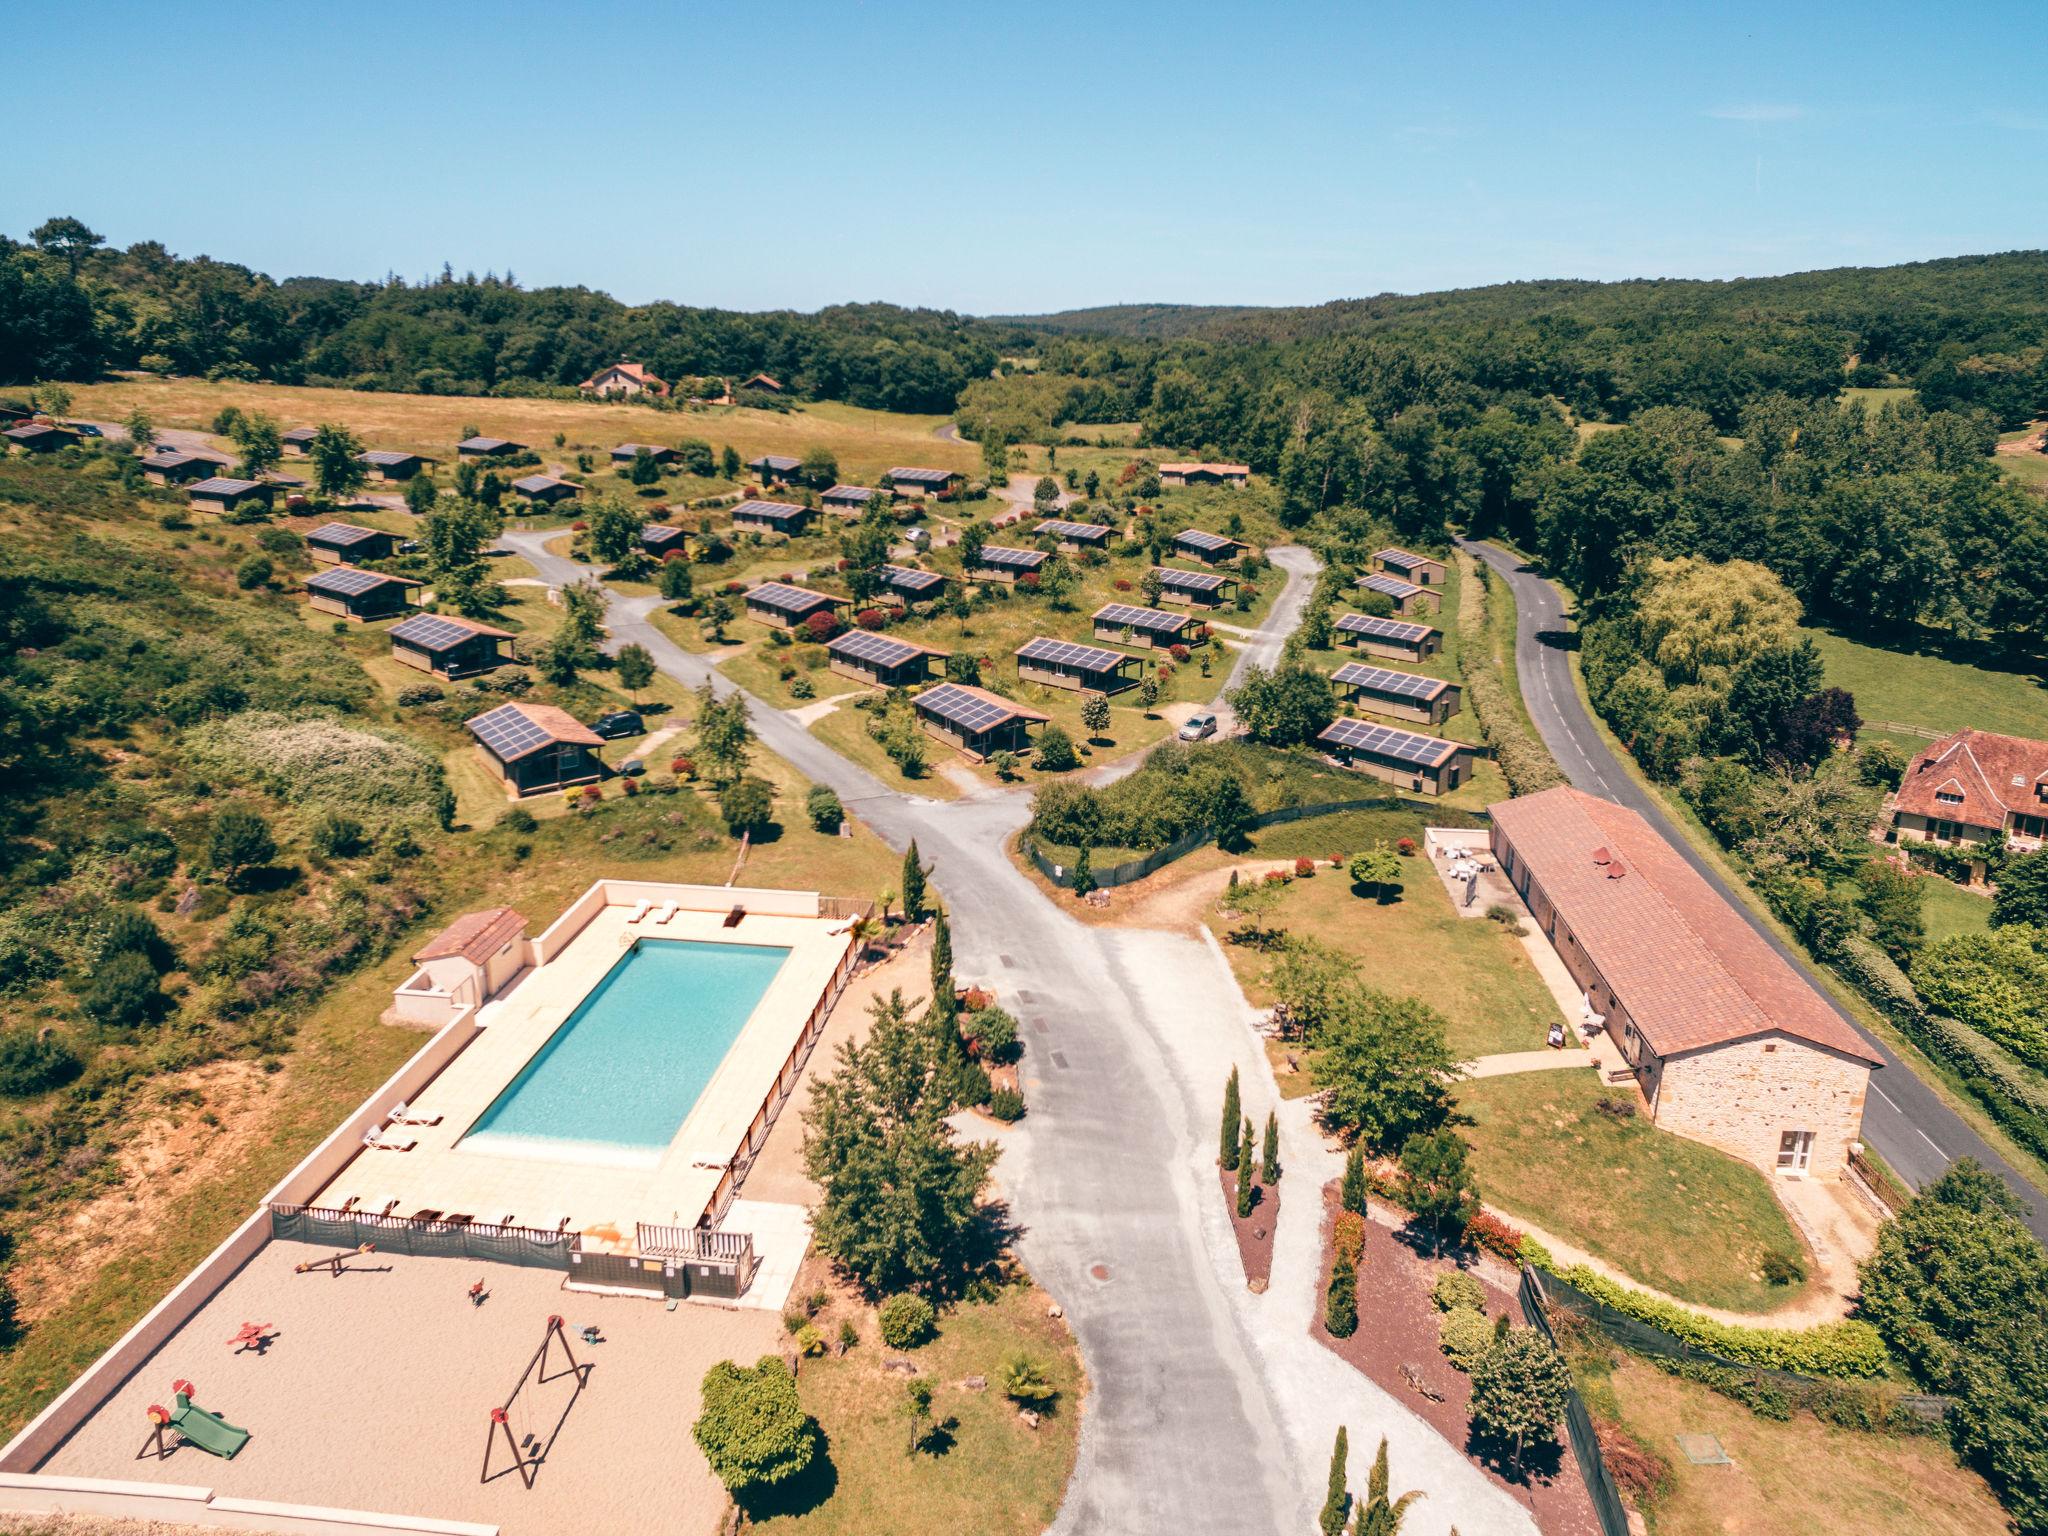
(618, 1078)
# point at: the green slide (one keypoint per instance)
(209, 1431)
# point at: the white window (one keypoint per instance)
(1948, 797)
(1795, 1151)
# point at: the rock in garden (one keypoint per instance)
(1054, 1311)
(898, 1363)
(1030, 1419)
(976, 1384)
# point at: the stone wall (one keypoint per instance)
(1741, 1096)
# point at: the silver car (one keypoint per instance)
(1198, 727)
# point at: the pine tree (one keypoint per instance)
(1351, 1193)
(1244, 1169)
(1227, 1156)
(1337, 1501)
(913, 883)
(1269, 1164)
(1340, 1303)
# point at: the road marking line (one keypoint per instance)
(1909, 1121)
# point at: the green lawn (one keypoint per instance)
(1946, 909)
(1473, 972)
(1672, 1213)
(1927, 689)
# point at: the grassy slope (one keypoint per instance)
(1670, 1212)
(1925, 689)
(1471, 971)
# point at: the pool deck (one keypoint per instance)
(601, 1197)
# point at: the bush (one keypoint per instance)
(1056, 752)
(809, 1341)
(33, 1062)
(823, 809)
(907, 1321)
(803, 688)
(1025, 1381)
(1006, 1105)
(519, 819)
(337, 837)
(422, 693)
(123, 991)
(992, 1034)
(1500, 912)
(253, 572)
(317, 763)
(1458, 1289)
(1850, 1347)
(753, 1429)
(1780, 1268)
(1464, 1334)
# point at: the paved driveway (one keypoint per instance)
(1210, 1409)
(1904, 1120)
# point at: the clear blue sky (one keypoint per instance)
(1002, 158)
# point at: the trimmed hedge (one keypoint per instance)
(1846, 1348)
(1871, 1407)
(1524, 761)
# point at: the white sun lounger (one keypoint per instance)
(668, 910)
(640, 910)
(380, 1141)
(402, 1113)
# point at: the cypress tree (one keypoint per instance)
(1340, 1304)
(1351, 1193)
(944, 1004)
(1082, 879)
(1228, 1155)
(1269, 1165)
(1244, 1169)
(1337, 1501)
(913, 883)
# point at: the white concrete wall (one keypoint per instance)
(179, 1504)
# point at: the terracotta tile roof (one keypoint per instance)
(475, 936)
(1689, 969)
(1995, 776)
(637, 372)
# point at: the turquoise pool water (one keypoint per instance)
(624, 1070)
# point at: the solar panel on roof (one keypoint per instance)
(383, 456)
(1061, 528)
(340, 533)
(1131, 616)
(785, 598)
(773, 511)
(346, 580)
(922, 476)
(1196, 538)
(911, 579)
(956, 706)
(431, 632)
(1190, 581)
(1384, 629)
(1067, 653)
(1402, 558)
(509, 733)
(1004, 554)
(1385, 741)
(849, 493)
(883, 651)
(1387, 682)
(1392, 586)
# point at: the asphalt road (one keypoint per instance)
(1903, 1119)
(1209, 1411)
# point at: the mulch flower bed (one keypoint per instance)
(1254, 1232)
(1396, 1347)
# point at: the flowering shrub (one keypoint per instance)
(1336, 861)
(579, 526)
(845, 564)
(1304, 867)
(821, 626)
(1276, 877)
(682, 768)
(1405, 847)
(1179, 653)
(1028, 581)
(1203, 632)
(734, 589)
(1347, 1234)
(1122, 584)
(1488, 1231)
(631, 787)
(872, 618)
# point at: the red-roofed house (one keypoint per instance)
(622, 379)
(463, 966)
(1729, 1044)
(1973, 787)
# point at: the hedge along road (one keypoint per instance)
(1209, 1410)
(1903, 1118)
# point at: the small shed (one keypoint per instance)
(1198, 589)
(1395, 638)
(1069, 664)
(1209, 548)
(782, 605)
(174, 466)
(1075, 537)
(545, 490)
(912, 481)
(847, 500)
(390, 466)
(534, 748)
(349, 543)
(1133, 624)
(298, 441)
(883, 660)
(775, 468)
(225, 493)
(663, 539)
(40, 437)
(1425, 765)
(487, 447)
(1204, 474)
(448, 646)
(1406, 597)
(910, 586)
(1397, 695)
(1421, 570)
(626, 453)
(350, 593)
(975, 721)
(784, 517)
(1003, 562)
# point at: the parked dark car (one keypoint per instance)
(618, 724)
